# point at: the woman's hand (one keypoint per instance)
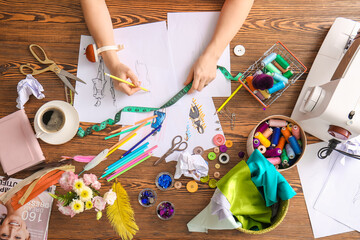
(202, 72)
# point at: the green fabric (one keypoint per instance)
(247, 204)
(268, 179)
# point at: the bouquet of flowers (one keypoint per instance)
(82, 194)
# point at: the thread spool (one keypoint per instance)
(295, 145)
(265, 94)
(286, 133)
(289, 126)
(288, 74)
(271, 57)
(263, 140)
(275, 136)
(289, 151)
(261, 149)
(259, 95)
(277, 122)
(256, 142)
(277, 87)
(299, 142)
(224, 158)
(295, 130)
(249, 80)
(262, 127)
(275, 152)
(267, 133)
(284, 157)
(279, 67)
(282, 62)
(271, 68)
(280, 78)
(285, 165)
(274, 160)
(281, 143)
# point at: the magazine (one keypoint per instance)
(29, 221)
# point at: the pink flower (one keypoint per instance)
(110, 197)
(96, 185)
(67, 180)
(99, 203)
(89, 179)
(65, 210)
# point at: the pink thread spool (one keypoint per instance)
(296, 132)
(277, 123)
(267, 133)
(262, 149)
(274, 160)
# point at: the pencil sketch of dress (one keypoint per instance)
(99, 85)
(142, 73)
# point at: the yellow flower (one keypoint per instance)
(78, 185)
(88, 205)
(77, 206)
(85, 194)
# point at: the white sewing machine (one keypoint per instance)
(329, 104)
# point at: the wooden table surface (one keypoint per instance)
(57, 26)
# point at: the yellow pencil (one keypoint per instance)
(124, 81)
(121, 143)
(227, 100)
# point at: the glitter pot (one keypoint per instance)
(164, 181)
(147, 197)
(165, 210)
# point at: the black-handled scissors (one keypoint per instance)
(62, 74)
(177, 145)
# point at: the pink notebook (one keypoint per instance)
(19, 147)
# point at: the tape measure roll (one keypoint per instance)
(136, 109)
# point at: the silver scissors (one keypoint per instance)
(177, 145)
(62, 74)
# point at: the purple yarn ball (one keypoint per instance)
(263, 81)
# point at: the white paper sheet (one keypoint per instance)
(147, 53)
(340, 196)
(313, 173)
(189, 34)
(178, 122)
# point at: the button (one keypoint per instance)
(224, 158)
(216, 150)
(177, 185)
(216, 175)
(223, 148)
(228, 143)
(239, 50)
(204, 179)
(211, 156)
(212, 183)
(217, 166)
(192, 186)
(198, 150)
(218, 139)
(241, 154)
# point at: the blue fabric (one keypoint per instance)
(267, 178)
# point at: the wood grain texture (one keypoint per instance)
(57, 26)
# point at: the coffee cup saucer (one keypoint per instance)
(67, 132)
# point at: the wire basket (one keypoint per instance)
(296, 66)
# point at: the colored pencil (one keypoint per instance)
(125, 131)
(135, 160)
(146, 119)
(227, 100)
(122, 143)
(124, 81)
(129, 168)
(120, 129)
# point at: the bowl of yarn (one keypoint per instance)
(280, 139)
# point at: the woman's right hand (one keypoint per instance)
(122, 71)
